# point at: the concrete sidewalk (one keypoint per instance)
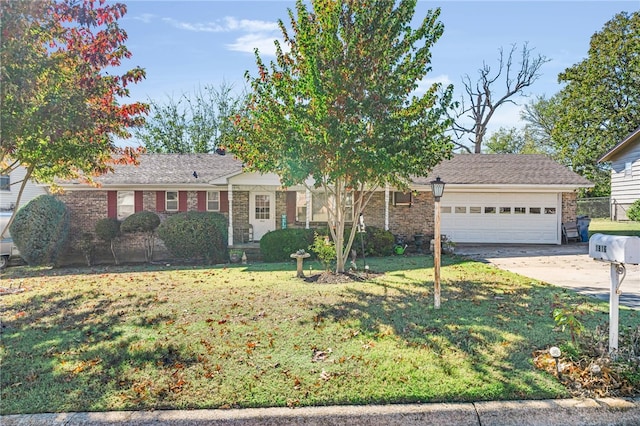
(584, 412)
(567, 265)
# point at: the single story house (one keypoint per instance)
(625, 174)
(488, 198)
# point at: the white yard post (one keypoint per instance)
(614, 299)
(230, 231)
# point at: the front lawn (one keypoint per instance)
(166, 337)
(606, 226)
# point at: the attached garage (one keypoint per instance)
(505, 198)
(508, 217)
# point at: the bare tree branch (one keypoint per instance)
(482, 104)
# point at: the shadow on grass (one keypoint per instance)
(491, 333)
(76, 346)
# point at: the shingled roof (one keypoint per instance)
(504, 169)
(173, 169)
(463, 169)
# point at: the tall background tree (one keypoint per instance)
(600, 103)
(60, 89)
(338, 110)
(481, 99)
(195, 122)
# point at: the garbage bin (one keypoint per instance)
(583, 227)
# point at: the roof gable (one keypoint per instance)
(627, 142)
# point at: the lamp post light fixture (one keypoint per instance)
(437, 187)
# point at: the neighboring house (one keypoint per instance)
(625, 174)
(10, 186)
(489, 198)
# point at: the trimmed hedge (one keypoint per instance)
(107, 229)
(196, 235)
(277, 246)
(143, 222)
(140, 222)
(40, 230)
(377, 241)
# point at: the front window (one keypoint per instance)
(402, 198)
(171, 201)
(126, 204)
(213, 201)
(5, 183)
(319, 207)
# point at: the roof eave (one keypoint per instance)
(613, 151)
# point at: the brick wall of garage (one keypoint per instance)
(569, 206)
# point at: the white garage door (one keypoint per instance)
(501, 218)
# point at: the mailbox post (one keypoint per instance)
(616, 250)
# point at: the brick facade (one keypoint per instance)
(569, 206)
(87, 207)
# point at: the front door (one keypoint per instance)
(262, 213)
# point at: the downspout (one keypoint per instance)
(230, 197)
(559, 216)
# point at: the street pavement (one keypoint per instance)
(567, 265)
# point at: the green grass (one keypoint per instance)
(606, 226)
(155, 337)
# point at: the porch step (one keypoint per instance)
(251, 250)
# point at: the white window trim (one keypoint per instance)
(121, 214)
(217, 201)
(166, 201)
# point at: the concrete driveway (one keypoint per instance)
(567, 265)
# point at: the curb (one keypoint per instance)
(588, 412)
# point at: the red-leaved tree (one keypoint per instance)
(61, 86)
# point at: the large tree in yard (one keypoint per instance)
(600, 103)
(339, 111)
(60, 88)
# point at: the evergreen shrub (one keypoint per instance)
(278, 245)
(196, 235)
(40, 230)
(633, 212)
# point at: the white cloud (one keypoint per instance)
(145, 17)
(227, 24)
(247, 43)
(255, 33)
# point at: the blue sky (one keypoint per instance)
(186, 44)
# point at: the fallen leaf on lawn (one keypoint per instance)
(325, 376)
